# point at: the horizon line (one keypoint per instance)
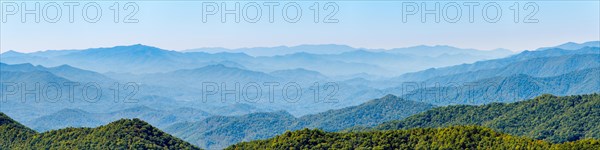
(290, 46)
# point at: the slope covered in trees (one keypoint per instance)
(121, 134)
(457, 137)
(12, 132)
(547, 117)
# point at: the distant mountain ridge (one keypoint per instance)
(492, 64)
(281, 50)
(326, 59)
(509, 89)
(536, 67)
(421, 50)
(574, 46)
(80, 118)
(438, 50)
(65, 71)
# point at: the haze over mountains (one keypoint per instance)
(421, 50)
(327, 59)
(341, 88)
(495, 63)
(219, 132)
(574, 46)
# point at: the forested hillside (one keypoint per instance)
(121, 134)
(12, 132)
(457, 137)
(547, 117)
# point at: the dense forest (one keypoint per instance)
(12, 132)
(456, 137)
(547, 117)
(121, 134)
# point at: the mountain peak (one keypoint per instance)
(216, 66)
(143, 47)
(574, 45)
(140, 108)
(137, 45)
(126, 48)
(63, 66)
(12, 53)
(390, 96)
(124, 123)
(71, 111)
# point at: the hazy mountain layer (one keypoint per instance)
(326, 59)
(219, 132)
(494, 64)
(80, 118)
(509, 89)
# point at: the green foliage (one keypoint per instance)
(456, 137)
(12, 132)
(121, 134)
(547, 117)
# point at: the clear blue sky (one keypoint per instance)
(372, 24)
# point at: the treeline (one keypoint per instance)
(456, 137)
(546, 117)
(121, 134)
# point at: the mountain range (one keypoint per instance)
(343, 89)
(522, 57)
(326, 59)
